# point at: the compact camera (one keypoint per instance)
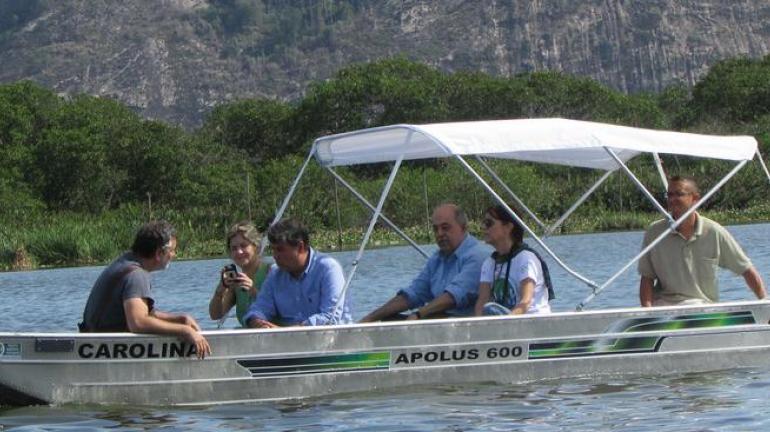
(231, 272)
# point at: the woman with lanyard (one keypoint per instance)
(514, 280)
(239, 288)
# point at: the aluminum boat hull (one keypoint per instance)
(253, 365)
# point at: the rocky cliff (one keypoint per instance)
(175, 59)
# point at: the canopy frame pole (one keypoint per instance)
(668, 231)
(289, 195)
(639, 185)
(762, 163)
(384, 218)
(661, 171)
(509, 191)
(550, 229)
(375, 215)
(537, 239)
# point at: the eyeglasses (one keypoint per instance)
(488, 223)
(677, 194)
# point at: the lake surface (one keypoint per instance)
(52, 300)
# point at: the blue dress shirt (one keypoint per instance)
(311, 299)
(457, 273)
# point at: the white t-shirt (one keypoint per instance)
(524, 265)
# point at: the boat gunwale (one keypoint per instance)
(636, 310)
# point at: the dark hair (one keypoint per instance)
(152, 237)
(289, 231)
(500, 213)
(686, 179)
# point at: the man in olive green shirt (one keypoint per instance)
(684, 263)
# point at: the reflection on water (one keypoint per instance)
(727, 400)
(52, 300)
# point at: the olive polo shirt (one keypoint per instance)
(687, 269)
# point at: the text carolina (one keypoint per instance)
(135, 350)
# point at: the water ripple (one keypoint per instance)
(732, 400)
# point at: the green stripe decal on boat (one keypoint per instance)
(317, 364)
(682, 322)
(588, 347)
(630, 345)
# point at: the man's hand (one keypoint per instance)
(202, 348)
(391, 307)
(260, 323)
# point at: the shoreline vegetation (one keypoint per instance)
(79, 174)
(49, 248)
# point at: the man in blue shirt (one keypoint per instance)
(305, 289)
(449, 282)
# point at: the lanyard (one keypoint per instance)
(506, 287)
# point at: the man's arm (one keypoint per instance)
(646, 271)
(176, 318)
(735, 259)
(461, 291)
(645, 291)
(754, 281)
(418, 291)
(331, 303)
(439, 304)
(140, 320)
(464, 286)
(391, 307)
(262, 309)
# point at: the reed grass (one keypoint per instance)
(67, 239)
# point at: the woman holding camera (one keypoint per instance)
(239, 288)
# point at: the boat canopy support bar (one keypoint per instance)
(384, 218)
(524, 225)
(762, 163)
(286, 200)
(577, 204)
(372, 222)
(510, 192)
(661, 171)
(639, 185)
(668, 231)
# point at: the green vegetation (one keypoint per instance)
(79, 174)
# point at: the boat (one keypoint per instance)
(298, 362)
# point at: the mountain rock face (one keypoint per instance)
(175, 59)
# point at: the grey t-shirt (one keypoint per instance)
(117, 284)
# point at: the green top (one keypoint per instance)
(243, 299)
(687, 269)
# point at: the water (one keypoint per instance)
(52, 300)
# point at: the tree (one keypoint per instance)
(24, 112)
(76, 158)
(371, 94)
(257, 126)
(734, 90)
(156, 158)
(552, 94)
